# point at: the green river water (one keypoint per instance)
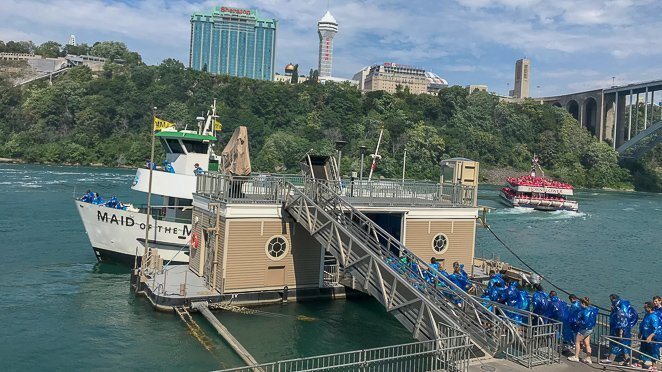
(61, 310)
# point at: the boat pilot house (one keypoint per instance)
(267, 237)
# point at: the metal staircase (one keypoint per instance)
(383, 267)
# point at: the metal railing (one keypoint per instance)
(542, 336)
(331, 275)
(396, 192)
(254, 189)
(633, 350)
(267, 188)
(443, 354)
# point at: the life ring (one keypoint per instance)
(195, 240)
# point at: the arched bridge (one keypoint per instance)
(603, 113)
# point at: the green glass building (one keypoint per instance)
(234, 42)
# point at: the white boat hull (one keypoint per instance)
(117, 235)
(541, 205)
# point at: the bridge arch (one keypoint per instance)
(557, 104)
(573, 108)
(590, 114)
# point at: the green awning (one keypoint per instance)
(186, 136)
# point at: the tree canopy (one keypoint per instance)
(105, 118)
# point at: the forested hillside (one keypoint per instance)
(88, 119)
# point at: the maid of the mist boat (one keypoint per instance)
(118, 233)
(537, 192)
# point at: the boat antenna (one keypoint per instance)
(375, 157)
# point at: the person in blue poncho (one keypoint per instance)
(557, 309)
(112, 202)
(569, 328)
(167, 166)
(88, 197)
(539, 301)
(524, 300)
(584, 322)
(98, 200)
(197, 170)
(460, 277)
(495, 278)
(649, 328)
(622, 318)
(657, 306)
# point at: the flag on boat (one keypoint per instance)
(217, 125)
(160, 124)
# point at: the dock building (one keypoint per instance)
(260, 238)
(232, 41)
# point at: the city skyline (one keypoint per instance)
(572, 46)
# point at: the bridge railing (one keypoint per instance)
(444, 354)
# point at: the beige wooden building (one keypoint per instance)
(249, 244)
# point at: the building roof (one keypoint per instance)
(328, 18)
(435, 79)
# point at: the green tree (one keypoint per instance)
(50, 49)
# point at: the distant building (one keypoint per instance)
(388, 76)
(476, 88)
(522, 78)
(72, 40)
(327, 28)
(234, 42)
(287, 78)
(360, 76)
(339, 80)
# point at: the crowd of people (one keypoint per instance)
(535, 181)
(95, 198)
(579, 317)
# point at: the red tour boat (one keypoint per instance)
(538, 192)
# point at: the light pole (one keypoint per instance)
(363, 149)
(339, 145)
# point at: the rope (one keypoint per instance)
(534, 270)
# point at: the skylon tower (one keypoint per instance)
(327, 27)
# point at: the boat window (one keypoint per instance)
(175, 146)
(195, 146)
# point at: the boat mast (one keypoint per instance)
(376, 156)
(149, 195)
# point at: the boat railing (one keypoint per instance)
(159, 212)
(631, 347)
(450, 353)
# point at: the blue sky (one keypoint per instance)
(573, 45)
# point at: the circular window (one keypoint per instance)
(440, 243)
(276, 247)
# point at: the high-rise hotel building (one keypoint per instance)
(234, 42)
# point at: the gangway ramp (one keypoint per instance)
(373, 258)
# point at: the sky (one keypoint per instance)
(573, 45)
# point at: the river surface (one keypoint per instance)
(61, 310)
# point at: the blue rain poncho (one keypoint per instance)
(512, 294)
(539, 300)
(496, 278)
(112, 203)
(167, 166)
(573, 314)
(586, 319)
(621, 319)
(650, 325)
(523, 300)
(557, 309)
(98, 200)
